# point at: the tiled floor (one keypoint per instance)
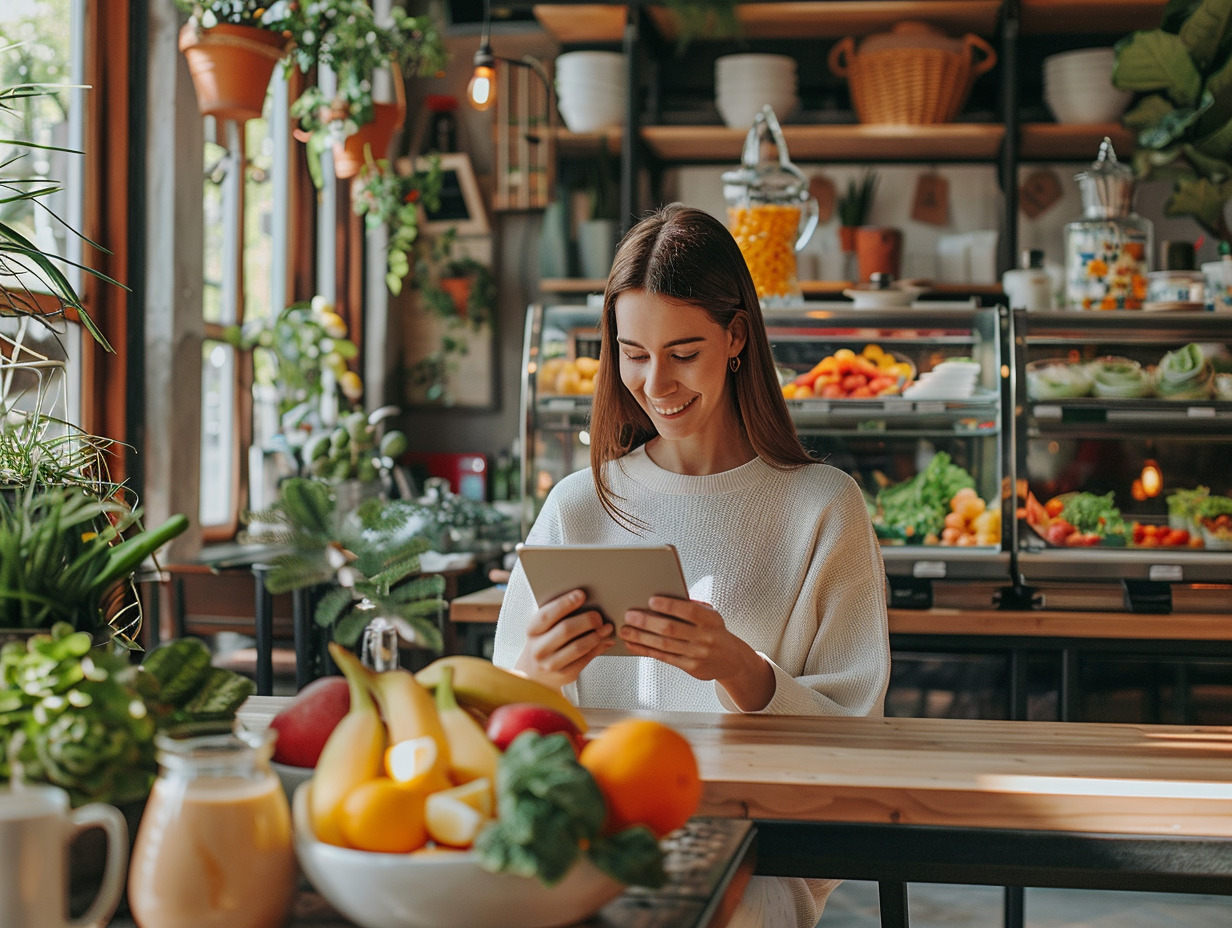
(931, 905)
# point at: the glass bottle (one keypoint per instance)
(214, 846)
(1107, 251)
(769, 211)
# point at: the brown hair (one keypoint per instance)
(685, 254)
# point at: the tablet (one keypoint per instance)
(616, 578)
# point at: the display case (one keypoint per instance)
(1127, 419)
(909, 450)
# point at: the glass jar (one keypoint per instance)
(214, 846)
(769, 211)
(1107, 251)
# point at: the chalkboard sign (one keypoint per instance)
(461, 207)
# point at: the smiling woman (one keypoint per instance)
(692, 446)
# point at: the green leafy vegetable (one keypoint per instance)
(548, 809)
(84, 718)
(1088, 512)
(917, 507)
(1185, 503)
(1184, 374)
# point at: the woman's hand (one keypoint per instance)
(561, 641)
(691, 635)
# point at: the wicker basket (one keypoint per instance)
(911, 86)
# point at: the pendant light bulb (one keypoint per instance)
(481, 91)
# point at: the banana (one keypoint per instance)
(471, 754)
(483, 685)
(408, 709)
(352, 755)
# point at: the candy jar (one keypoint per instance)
(769, 211)
(1106, 251)
(214, 846)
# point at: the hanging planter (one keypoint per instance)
(372, 139)
(231, 67)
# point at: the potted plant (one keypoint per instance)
(367, 561)
(598, 232)
(232, 47)
(853, 208)
(345, 37)
(1183, 108)
(392, 196)
(455, 286)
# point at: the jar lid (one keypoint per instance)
(1107, 186)
(765, 168)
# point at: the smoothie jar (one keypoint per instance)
(214, 846)
(769, 211)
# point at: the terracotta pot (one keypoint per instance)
(374, 136)
(231, 67)
(459, 290)
(879, 249)
(847, 237)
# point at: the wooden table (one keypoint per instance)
(1049, 804)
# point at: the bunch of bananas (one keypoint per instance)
(410, 762)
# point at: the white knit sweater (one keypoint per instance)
(790, 561)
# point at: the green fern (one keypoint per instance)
(370, 555)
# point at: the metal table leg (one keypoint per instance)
(264, 628)
(893, 899)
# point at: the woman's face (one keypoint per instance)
(674, 360)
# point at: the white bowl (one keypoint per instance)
(892, 298)
(1082, 57)
(1073, 108)
(292, 777)
(739, 114)
(729, 66)
(583, 116)
(441, 890)
(590, 62)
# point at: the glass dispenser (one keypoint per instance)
(1107, 251)
(769, 211)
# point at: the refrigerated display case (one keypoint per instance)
(1127, 419)
(904, 449)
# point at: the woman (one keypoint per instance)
(692, 445)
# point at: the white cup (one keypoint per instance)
(36, 829)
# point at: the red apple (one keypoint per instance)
(304, 726)
(508, 721)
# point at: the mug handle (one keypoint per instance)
(111, 820)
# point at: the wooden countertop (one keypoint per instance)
(484, 606)
(1049, 776)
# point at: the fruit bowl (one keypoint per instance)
(291, 777)
(441, 889)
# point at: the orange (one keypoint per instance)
(379, 815)
(647, 773)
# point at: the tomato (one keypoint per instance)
(1058, 532)
(1140, 532)
(1176, 537)
(1053, 507)
(1082, 540)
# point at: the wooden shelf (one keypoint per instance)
(1075, 17)
(829, 20)
(952, 142)
(572, 24)
(1045, 141)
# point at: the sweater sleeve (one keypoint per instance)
(847, 667)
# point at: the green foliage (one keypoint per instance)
(712, 19)
(370, 555)
(63, 550)
(388, 197)
(39, 450)
(24, 267)
(84, 718)
(259, 13)
(549, 808)
(439, 260)
(855, 203)
(1182, 114)
(917, 507)
(303, 352)
(345, 36)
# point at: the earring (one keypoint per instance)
(734, 363)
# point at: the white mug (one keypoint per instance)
(36, 828)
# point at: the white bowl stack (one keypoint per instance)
(743, 84)
(591, 90)
(1078, 86)
(948, 380)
